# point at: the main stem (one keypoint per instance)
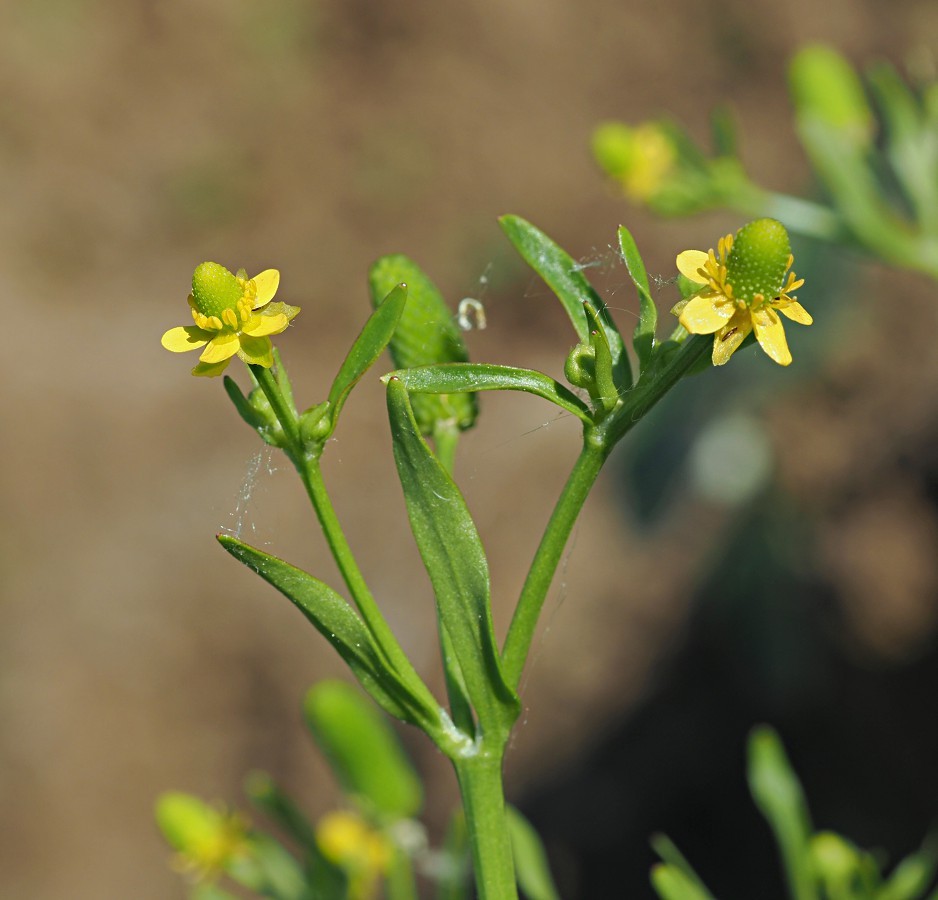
(546, 559)
(483, 798)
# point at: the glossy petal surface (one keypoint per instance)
(184, 338)
(690, 262)
(770, 333)
(706, 314)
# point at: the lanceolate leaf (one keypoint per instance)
(367, 348)
(643, 338)
(564, 278)
(339, 624)
(455, 561)
(488, 377)
(531, 865)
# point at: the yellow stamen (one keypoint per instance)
(230, 318)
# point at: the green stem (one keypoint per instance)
(401, 883)
(597, 446)
(483, 797)
(546, 559)
(307, 465)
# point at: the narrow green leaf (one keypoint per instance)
(339, 624)
(268, 869)
(672, 884)
(489, 377)
(565, 279)
(363, 750)
(643, 338)
(368, 346)
(426, 334)
(266, 795)
(455, 561)
(676, 861)
(913, 875)
(779, 796)
(531, 866)
(602, 370)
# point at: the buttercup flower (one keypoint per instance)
(233, 315)
(744, 288)
(351, 843)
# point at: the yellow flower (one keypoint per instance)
(745, 285)
(233, 315)
(350, 842)
(208, 838)
(642, 158)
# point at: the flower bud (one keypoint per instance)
(580, 367)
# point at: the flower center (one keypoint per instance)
(220, 300)
(758, 260)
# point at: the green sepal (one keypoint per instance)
(458, 377)
(455, 561)
(779, 797)
(571, 287)
(369, 345)
(426, 334)
(363, 751)
(643, 338)
(531, 867)
(339, 624)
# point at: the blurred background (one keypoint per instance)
(139, 139)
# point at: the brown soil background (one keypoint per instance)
(139, 139)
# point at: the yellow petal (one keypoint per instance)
(211, 369)
(257, 351)
(707, 313)
(729, 338)
(222, 346)
(770, 333)
(184, 338)
(796, 312)
(267, 283)
(689, 262)
(258, 326)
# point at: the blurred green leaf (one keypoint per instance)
(452, 377)
(531, 866)
(368, 346)
(565, 279)
(426, 334)
(339, 624)
(672, 884)
(676, 861)
(778, 794)
(913, 875)
(453, 879)
(643, 338)
(363, 751)
(455, 561)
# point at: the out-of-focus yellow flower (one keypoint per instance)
(233, 315)
(208, 838)
(346, 839)
(746, 283)
(641, 158)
